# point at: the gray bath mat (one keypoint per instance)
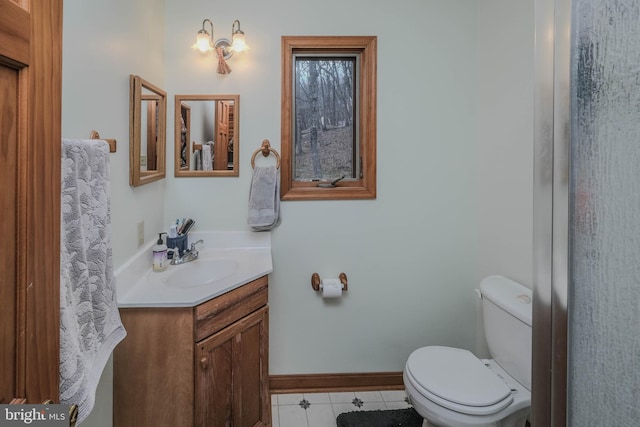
(391, 418)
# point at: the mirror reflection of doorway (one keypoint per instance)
(207, 135)
(224, 136)
(151, 130)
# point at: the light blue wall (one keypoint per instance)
(409, 254)
(504, 181)
(414, 255)
(103, 43)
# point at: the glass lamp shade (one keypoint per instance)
(239, 43)
(203, 41)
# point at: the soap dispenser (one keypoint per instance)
(160, 254)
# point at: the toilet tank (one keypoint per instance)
(506, 313)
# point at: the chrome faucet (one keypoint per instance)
(188, 255)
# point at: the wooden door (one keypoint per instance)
(250, 380)
(220, 159)
(30, 104)
(231, 375)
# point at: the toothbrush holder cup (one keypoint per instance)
(179, 242)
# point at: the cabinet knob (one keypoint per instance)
(204, 362)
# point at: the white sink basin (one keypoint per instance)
(228, 259)
(202, 272)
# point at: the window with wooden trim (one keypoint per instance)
(328, 117)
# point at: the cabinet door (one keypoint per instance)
(232, 375)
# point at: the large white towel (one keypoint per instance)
(264, 198)
(90, 325)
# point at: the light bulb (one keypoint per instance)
(239, 43)
(203, 41)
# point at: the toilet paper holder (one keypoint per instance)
(315, 281)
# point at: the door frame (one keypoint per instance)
(36, 55)
(551, 212)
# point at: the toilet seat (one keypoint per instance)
(456, 379)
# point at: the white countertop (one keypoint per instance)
(137, 285)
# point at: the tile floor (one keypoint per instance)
(321, 409)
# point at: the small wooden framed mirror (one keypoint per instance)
(147, 132)
(207, 135)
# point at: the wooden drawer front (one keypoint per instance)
(218, 313)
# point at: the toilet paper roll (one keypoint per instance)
(331, 289)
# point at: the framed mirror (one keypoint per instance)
(147, 132)
(207, 135)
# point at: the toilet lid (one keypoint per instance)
(458, 380)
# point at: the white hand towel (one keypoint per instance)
(264, 198)
(90, 326)
(207, 157)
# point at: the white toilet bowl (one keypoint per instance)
(451, 387)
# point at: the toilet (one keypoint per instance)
(451, 387)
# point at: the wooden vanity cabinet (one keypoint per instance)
(196, 366)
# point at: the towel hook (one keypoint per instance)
(265, 149)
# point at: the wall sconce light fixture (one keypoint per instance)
(223, 47)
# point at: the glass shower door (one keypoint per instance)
(604, 242)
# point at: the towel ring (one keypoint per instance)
(265, 149)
